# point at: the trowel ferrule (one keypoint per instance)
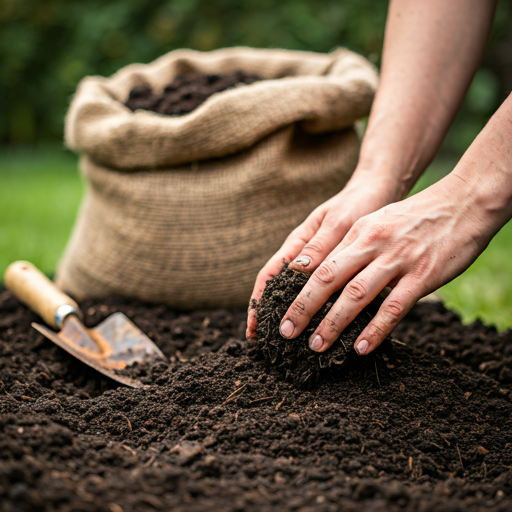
(63, 312)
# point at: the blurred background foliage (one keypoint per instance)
(46, 47)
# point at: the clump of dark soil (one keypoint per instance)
(293, 357)
(186, 92)
(427, 427)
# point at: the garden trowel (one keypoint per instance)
(112, 345)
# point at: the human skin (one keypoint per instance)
(366, 237)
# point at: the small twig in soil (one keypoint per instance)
(127, 421)
(150, 461)
(377, 372)
(278, 406)
(28, 398)
(128, 449)
(199, 415)
(410, 463)
(445, 440)
(234, 394)
(261, 399)
(7, 392)
(380, 424)
(460, 458)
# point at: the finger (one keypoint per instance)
(356, 295)
(329, 277)
(319, 247)
(401, 299)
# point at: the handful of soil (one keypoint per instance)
(186, 92)
(293, 357)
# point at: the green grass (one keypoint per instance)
(40, 191)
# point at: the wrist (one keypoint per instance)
(484, 173)
(377, 182)
(392, 163)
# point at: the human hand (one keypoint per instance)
(414, 246)
(311, 242)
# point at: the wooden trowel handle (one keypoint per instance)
(34, 289)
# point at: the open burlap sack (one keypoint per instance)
(186, 210)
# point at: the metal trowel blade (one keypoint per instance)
(114, 344)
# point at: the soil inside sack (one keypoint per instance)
(426, 428)
(186, 92)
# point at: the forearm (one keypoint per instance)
(432, 49)
(483, 176)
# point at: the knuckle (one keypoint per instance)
(299, 308)
(331, 326)
(315, 246)
(332, 222)
(421, 269)
(355, 231)
(377, 330)
(324, 273)
(375, 233)
(356, 290)
(394, 309)
(359, 224)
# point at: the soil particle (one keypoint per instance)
(293, 357)
(216, 430)
(186, 92)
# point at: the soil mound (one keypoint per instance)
(424, 428)
(296, 361)
(186, 92)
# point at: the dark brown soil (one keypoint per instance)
(293, 358)
(186, 92)
(428, 428)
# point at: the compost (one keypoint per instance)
(424, 426)
(186, 92)
(293, 357)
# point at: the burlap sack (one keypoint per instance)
(186, 210)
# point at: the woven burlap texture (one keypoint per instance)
(186, 210)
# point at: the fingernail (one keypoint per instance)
(303, 261)
(315, 342)
(362, 347)
(287, 328)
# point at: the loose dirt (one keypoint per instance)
(186, 92)
(424, 426)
